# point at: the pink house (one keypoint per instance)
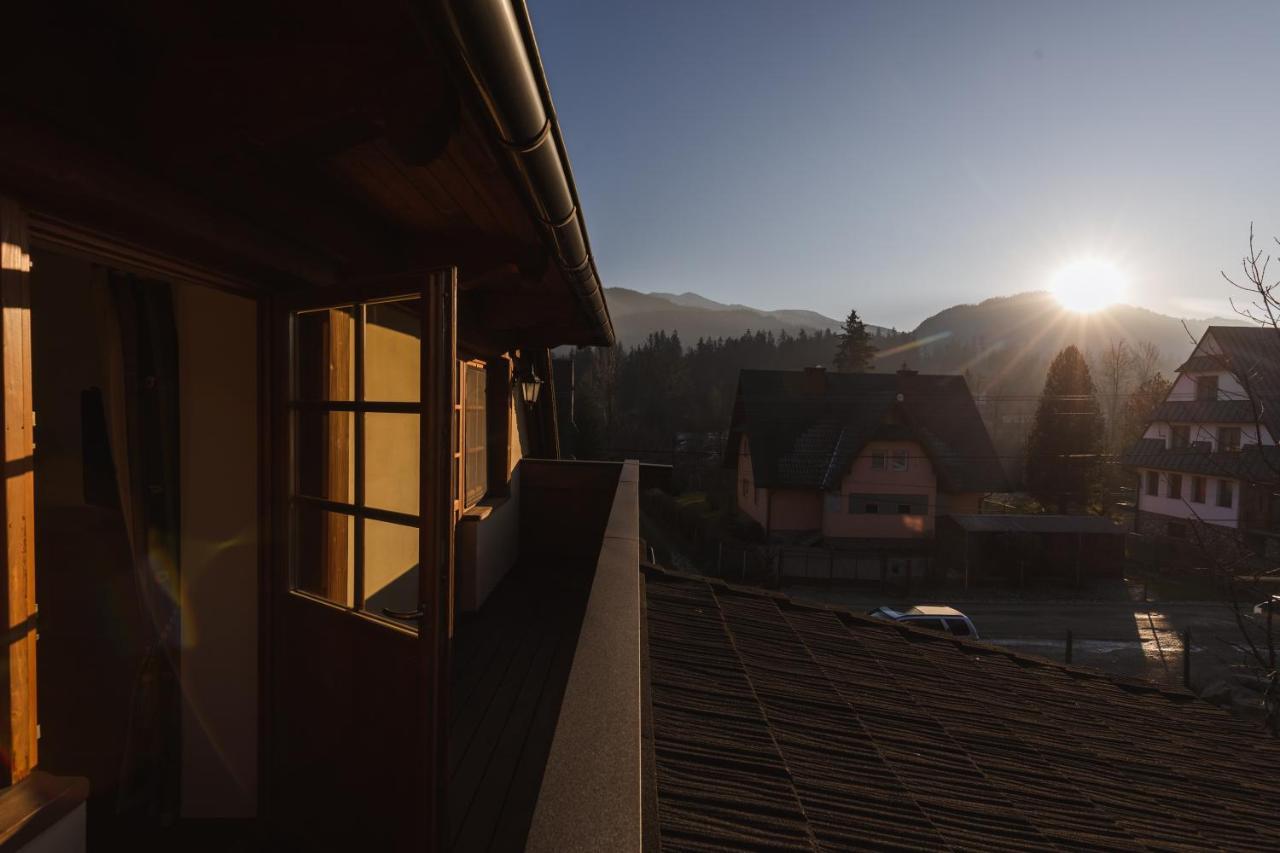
(858, 460)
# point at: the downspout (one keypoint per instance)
(500, 55)
(768, 517)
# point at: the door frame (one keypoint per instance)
(437, 290)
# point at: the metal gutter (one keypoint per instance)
(500, 54)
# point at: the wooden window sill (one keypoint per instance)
(35, 804)
(484, 508)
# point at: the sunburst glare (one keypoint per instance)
(1088, 285)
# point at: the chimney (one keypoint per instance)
(815, 380)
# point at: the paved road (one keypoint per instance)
(1131, 639)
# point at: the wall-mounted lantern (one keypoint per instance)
(529, 384)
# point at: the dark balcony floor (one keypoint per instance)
(511, 662)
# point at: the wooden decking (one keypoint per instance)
(510, 665)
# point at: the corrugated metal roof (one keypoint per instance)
(1205, 411)
(1000, 523)
(1251, 462)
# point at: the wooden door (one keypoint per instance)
(362, 569)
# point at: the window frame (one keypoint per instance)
(899, 460)
(868, 503)
(1229, 446)
(1199, 489)
(879, 460)
(1174, 486)
(1226, 489)
(357, 508)
(469, 425)
(1207, 387)
(1153, 484)
(1179, 435)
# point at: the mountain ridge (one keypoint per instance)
(968, 336)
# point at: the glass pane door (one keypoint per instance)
(355, 415)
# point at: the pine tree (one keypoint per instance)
(1065, 445)
(855, 351)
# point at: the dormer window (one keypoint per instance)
(1207, 387)
(899, 461)
(1180, 435)
(1228, 438)
(877, 460)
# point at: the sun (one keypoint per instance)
(1088, 285)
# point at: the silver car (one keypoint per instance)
(935, 617)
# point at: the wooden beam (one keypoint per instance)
(438, 481)
(49, 173)
(18, 677)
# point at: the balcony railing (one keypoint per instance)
(544, 745)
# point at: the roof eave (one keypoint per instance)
(498, 54)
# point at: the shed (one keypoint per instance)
(1020, 547)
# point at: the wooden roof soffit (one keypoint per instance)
(498, 54)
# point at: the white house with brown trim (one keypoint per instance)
(1208, 456)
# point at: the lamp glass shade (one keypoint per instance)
(530, 388)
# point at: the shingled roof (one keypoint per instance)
(1252, 355)
(804, 428)
(787, 726)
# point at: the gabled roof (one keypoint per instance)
(1252, 355)
(804, 428)
(786, 725)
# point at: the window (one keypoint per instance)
(1197, 490)
(1207, 387)
(1180, 436)
(1175, 486)
(959, 627)
(899, 461)
(1225, 493)
(475, 477)
(355, 416)
(877, 460)
(1153, 484)
(889, 504)
(1228, 438)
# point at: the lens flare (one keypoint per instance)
(1088, 285)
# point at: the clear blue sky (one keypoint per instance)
(901, 157)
